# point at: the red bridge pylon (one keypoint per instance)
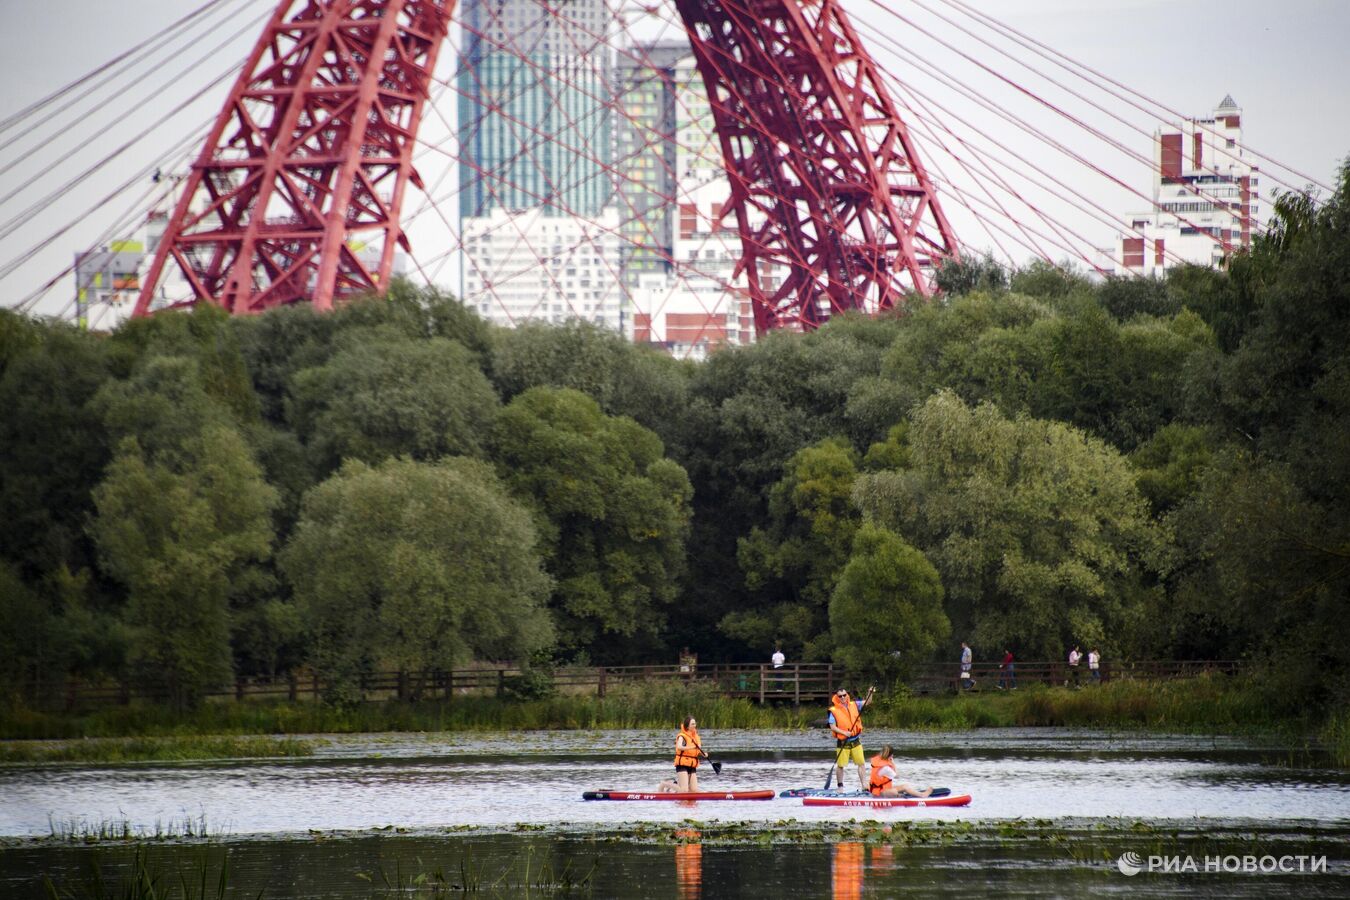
(308, 161)
(296, 194)
(825, 179)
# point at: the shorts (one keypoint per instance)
(692, 770)
(850, 753)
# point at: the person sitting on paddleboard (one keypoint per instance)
(846, 725)
(688, 751)
(883, 782)
(667, 786)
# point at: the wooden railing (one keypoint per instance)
(794, 683)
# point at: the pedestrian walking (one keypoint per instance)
(1007, 672)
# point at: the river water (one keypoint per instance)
(369, 809)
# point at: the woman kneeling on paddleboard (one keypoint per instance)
(688, 751)
(883, 781)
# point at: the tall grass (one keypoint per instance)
(647, 705)
(1213, 703)
(1336, 735)
(1206, 702)
(138, 749)
(84, 831)
(206, 880)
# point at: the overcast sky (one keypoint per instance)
(1284, 63)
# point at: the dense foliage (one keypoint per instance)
(1151, 467)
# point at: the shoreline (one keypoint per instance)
(1202, 706)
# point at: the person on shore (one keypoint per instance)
(1007, 671)
(967, 677)
(688, 751)
(884, 781)
(846, 725)
(1075, 657)
(778, 658)
(1095, 665)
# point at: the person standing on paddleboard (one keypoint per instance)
(885, 780)
(846, 725)
(688, 751)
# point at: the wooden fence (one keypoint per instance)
(795, 683)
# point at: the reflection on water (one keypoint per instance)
(846, 873)
(688, 864)
(865, 862)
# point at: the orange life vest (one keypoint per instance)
(847, 720)
(879, 782)
(689, 754)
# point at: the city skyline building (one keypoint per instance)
(1206, 198)
(534, 121)
(680, 249)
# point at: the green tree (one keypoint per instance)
(178, 532)
(611, 510)
(978, 274)
(641, 383)
(1037, 530)
(886, 612)
(417, 566)
(53, 448)
(1170, 464)
(791, 565)
(384, 396)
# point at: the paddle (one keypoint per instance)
(839, 750)
(716, 766)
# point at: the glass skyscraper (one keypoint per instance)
(534, 107)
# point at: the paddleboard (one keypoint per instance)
(608, 794)
(882, 802)
(821, 792)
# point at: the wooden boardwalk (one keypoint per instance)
(793, 683)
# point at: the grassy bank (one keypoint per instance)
(629, 706)
(1214, 704)
(1207, 703)
(140, 749)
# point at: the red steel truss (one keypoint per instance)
(309, 159)
(825, 180)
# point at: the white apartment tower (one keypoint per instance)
(1205, 198)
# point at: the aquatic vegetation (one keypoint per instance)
(85, 831)
(160, 749)
(204, 879)
(526, 877)
(1336, 736)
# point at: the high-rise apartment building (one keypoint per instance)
(534, 111)
(679, 252)
(536, 140)
(645, 164)
(1205, 198)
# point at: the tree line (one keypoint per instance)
(1153, 467)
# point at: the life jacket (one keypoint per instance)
(847, 720)
(878, 781)
(689, 755)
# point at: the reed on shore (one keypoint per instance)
(1208, 703)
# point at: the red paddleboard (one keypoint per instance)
(691, 795)
(962, 800)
